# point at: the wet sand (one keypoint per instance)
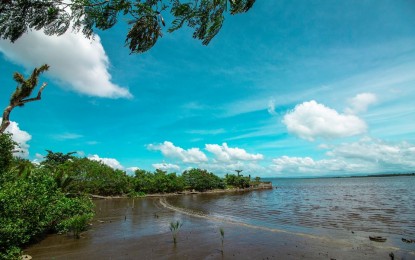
(139, 229)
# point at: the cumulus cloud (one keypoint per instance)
(166, 166)
(367, 155)
(387, 156)
(300, 165)
(168, 149)
(360, 103)
(113, 163)
(249, 168)
(20, 137)
(132, 169)
(75, 62)
(311, 120)
(225, 153)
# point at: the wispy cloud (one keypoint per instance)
(67, 136)
(207, 131)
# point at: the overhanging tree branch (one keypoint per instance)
(22, 93)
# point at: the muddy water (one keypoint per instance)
(302, 219)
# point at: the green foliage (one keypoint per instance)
(237, 181)
(12, 253)
(93, 177)
(32, 206)
(53, 159)
(202, 180)
(174, 229)
(6, 152)
(145, 17)
(157, 182)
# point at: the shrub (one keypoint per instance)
(32, 205)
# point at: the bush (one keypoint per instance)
(202, 180)
(32, 206)
(237, 181)
(75, 224)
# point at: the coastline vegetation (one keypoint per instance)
(54, 196)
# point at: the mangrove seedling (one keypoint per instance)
(174, 228)
(222, 237)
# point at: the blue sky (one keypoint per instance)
(291, 88)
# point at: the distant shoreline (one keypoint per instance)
(377, 175)
(343, 176)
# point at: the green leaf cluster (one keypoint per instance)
(145, 18)
(237, 181)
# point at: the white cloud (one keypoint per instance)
(387, 156)
(113, 163)
(365, 156)
(20, 137)
(132, 169)
(166, 166)
(311, 120)
(299, 165)
(361, 102)
(75, 62)
(168, 149)
(225, 153)
(67, 136)
(207, 132)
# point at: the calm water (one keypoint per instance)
(333, 207)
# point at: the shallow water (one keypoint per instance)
(334, 207)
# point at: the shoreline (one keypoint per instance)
(158, 195)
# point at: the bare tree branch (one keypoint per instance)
(21, 94)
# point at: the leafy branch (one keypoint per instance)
(144, 17)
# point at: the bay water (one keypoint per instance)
(339, 208)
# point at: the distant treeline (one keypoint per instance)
(381, 175)
(84, 176)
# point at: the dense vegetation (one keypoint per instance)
(32, 203)
(52, 196)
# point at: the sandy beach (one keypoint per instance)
(139, 229)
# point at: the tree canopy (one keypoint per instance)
(145, 17)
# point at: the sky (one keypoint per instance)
(290, 89)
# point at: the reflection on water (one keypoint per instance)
(374, 205)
